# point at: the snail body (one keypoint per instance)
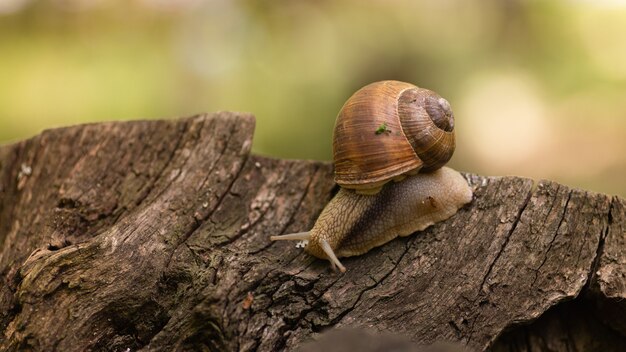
(352, 223)
(387, 131)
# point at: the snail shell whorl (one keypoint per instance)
(428, 123)
(418, 133)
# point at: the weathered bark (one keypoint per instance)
(155, 236)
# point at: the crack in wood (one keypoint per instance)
(506, 240)
(160, 172)
(556, 233)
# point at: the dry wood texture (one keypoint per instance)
(155, 236)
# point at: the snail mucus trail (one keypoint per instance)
(415, 143)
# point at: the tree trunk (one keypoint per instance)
(154, 236)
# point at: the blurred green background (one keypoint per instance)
(538, 88)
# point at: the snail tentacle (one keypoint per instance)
(299, 236)
(331, 255)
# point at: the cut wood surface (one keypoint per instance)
(154, 236)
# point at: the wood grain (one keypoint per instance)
(154, 236)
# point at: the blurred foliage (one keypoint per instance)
(537, 87)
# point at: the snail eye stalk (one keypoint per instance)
(300, 236)
(331, 256)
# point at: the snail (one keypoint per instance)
(387, 131)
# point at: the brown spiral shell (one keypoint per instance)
(388, 129)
